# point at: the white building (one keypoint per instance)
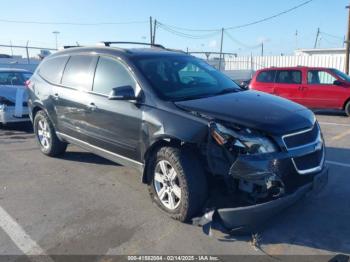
(320, 51)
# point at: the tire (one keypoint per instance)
(347, 108)
(46, 136)
(189, 178)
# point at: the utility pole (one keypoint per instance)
(221, 45)
(154, 31)
(27, 50)
(262, 48)
(317, 35)
(56, 35)
(150, 29)
(11, 48)
(296, 39)
(347, 42)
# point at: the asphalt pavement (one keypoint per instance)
(83, 204)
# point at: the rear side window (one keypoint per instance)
(266, 76)
(79, 72)
(288, 77)
(11, 79)
(111, 73)
(51, 69)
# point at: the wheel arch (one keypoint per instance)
(163, 141)
(346, 102)
(36, 107)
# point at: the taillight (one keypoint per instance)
(27, 83)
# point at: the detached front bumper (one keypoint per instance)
(245, 219)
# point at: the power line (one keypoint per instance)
(185, 35)
(70, 23)
(333, 36)
(270, 17)
(242, 25)
(241, 43)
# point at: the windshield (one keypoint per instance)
(341, 75)
(178, 78)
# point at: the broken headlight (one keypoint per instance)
(247, 141)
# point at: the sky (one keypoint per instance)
(278, 35)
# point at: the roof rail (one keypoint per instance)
(70, 46)
(109, 43)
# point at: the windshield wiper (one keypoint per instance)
(228, 90)
(222, 92)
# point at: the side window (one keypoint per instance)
(288, 77)
(111, 73)
(319, 77)
(51, 69)
(79, 72)
(11, 79)
(266, 76)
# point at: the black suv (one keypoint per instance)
(184, 125)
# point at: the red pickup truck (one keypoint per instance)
(313, 87)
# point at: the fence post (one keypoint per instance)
(27, 53)
(251, 63)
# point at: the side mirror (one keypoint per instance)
(338, 83)
(122, 93)
(245, 84)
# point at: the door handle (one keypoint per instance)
(56, 96)
(302, 88)
(92, 106)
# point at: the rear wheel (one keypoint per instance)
(177, 183)
(46, 136)
(347, 108)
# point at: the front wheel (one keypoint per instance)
(177, 183)
(46, 136)
(347, 108)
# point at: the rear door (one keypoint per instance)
(264, 81)
(72, 96)
(320, 91)
(45, 85)
(288, 84)
(114, 125)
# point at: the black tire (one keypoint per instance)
(54, 146)
(347, 108)
(191, 178)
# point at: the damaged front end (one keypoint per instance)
(262, 174)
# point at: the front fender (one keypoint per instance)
(162, 125)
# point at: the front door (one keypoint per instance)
(321, 91)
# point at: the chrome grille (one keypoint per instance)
(302, 138)
(311, 162)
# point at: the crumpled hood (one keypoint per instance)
(9, 92)
(255, 110)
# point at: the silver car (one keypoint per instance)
(13, 95)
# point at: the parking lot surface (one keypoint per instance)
(83, 204)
